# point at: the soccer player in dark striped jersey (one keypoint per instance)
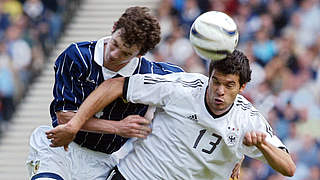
(201, 128)
(80, 69)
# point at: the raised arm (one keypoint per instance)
(277, 158)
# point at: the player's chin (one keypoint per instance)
(220, 106)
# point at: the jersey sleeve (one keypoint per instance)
(68, 90)
(258, 123)
(150, 89)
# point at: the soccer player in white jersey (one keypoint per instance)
(202, 127)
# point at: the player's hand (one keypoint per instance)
(62, 135)
(254, 138)
(133, 126)
(236, 171)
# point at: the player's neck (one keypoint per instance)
(219, 113)
(115, 67)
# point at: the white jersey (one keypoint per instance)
(187, 142)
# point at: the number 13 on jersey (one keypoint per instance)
(212, 144)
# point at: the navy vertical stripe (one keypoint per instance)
(77, 75)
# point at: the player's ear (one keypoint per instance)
(242, 87)
(114, 27)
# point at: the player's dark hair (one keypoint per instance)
(235, 63)
(139, 27)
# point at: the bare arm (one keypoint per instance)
(93, 124)
(130, 126)
(277, 158)
(107, 92)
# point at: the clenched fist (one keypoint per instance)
(254, 138)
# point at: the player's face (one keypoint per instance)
(117, 52)
(222, 91)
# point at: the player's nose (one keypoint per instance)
(220, 90)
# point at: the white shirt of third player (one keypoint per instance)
(186, 141)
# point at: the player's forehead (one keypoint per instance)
(224, 78)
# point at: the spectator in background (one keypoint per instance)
(40, 21)
(264, 49)
(166, 20)
(277, 17)
(4, 21)
(307, 88)
(176, 48)
(34, 10)
(258, 72)
(32, 37)
(242, 18)
(13, 8)
(294, 30)
(55, 26)
(314, 173)
(309, 12)
(262, 171)
(286, 116)
(293, 140)
(188, 14)
(257, 6)
(20, 53)
(276, 177)
(288, 8)
(309, 151)
(7, 87)
(28, 30)
(203, 5)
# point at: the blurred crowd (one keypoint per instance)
(282, 40)
(28, 31)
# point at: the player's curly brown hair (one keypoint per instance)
(235, 63)
(139, 27)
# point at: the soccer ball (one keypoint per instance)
(213, 35)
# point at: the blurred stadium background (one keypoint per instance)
(281, 38)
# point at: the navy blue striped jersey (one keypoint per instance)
(77, 74)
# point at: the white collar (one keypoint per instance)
(126, 71)
(98, 51)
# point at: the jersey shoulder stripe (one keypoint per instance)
(245, 105)
(147, 66)
(158, 79)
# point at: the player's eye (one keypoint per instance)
(114, 43)
(230, 85)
